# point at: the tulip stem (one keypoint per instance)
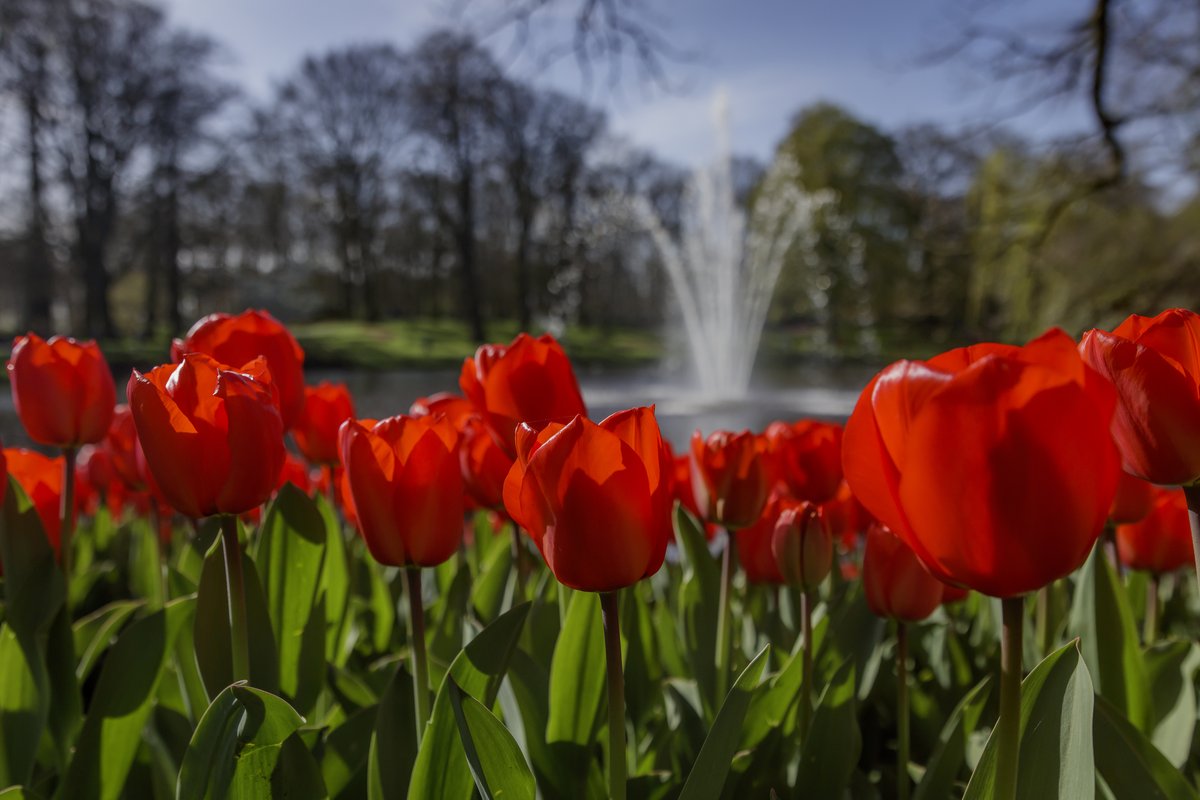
(1042, 620)
(518, 557)
(1150, 631)
(67, 515)
(806, 653)
(416, 618)
(723, 622)
(239, 638)
(902, 732)
(1008, 726)
(610, 614)
(1110, 549)
(1192, 494)
(330, 486)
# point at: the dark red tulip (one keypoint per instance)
(1154, 363)
(62, 389)
(295, 472)
(121, 444)
(326, 406)
(802, 546)
(992, 462)
(845, 517)
(484, 465)
(1133, 499)
(41, 477)
(953, 594)
(896, 583)
(729, 477)
(529, 380)
(211, 435)
(239, 339)
(596, 499)
(1162, 542)
(808, 457)
(407, 490)
(754, 543)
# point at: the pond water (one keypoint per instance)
(824, 390)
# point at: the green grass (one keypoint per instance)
(413, 344)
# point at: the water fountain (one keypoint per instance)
(725, 265)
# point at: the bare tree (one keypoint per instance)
(452, 91)
(185, 96)
(107, 49)
(344, 112)
(25, 51)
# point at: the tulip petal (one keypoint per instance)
(255, 434)
(174, 450)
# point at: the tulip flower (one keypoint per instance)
(1133, 500)
(404, 477)
(808, 457)
(62, 389)
(41, 478)
(899, 587)
(803, 549)
(845, 517)
(1158, 544)
(212, 435)
(597, 501)
(239, 339)
(212, 439)
(529, 380)
(729, 477)
(64, 395)
(754, 543)
(731, 482)
(452, 406)
(994, 463)
(295, 472)
(595, 498)
(484, 465)
(326, 406)
(1154, 363)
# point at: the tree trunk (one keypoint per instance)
(524, 284)
(39, 275)
(465, 240)
(172, 245)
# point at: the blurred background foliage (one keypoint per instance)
(428, 189)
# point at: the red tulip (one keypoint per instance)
(802, 546)
(62, 389)
(729, 477)
(407, 490)
(121, 444)
(453, 407)
(1133, 499)
(1154, 363)
(530, 380)
(754, 543)
(1162, 542)
(242, 338)
(992, 462)
(484, 465)
(326, 407)
(596, 499)
(295, 472)
(845, 517)
(896, 582)
(41, 477)
(211, 436)
(953, 594)
(808, 457)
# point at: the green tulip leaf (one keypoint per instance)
(393, 748)
(577, 673)
(1131, 766)
(123, 700)
(707, 777)
(1171, 667)
(495, 759)
(949, 755)
(94, 633)
(1056, 757)
(833, 744)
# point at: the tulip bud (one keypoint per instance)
(802, 546)
(729, 477)
(896, 582)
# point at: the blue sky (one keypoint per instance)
(772, 56)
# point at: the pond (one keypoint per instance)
(824, 390)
